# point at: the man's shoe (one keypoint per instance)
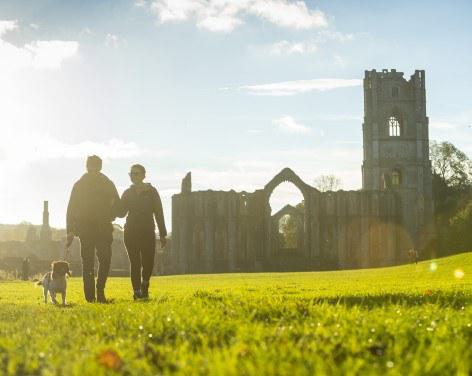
(101, 296)
(145, 290)
(137, 295)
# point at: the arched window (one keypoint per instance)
(396, 178)
(394, 128)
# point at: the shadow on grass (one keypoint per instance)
(453, 300)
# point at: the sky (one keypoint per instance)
(233, 91)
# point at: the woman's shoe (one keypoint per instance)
(145, 290)
(137, 295)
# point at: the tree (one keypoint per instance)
(452, 179)
(459, 236)
(289, 231)
(451, 164)
(452, 183)
(326, 183)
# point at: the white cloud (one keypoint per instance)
(289, 125)
(226, 15)
(7, 25)
(313, 44)
(20, 147)
(112, 40)
(37, 54)
(288, 88)
(51, 54)
(327, 35)
(140, 3)
(294, 15)
(23, 147)
(288, 48)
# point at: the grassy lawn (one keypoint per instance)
(408, 320)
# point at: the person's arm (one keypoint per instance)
(115, 202)
(159, 216)
(122, 206)
(71, 216)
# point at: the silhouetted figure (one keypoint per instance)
(25, 267)
(142, 204)
(90, 213)
(414, 256)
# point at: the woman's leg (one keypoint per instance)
(148, 251)
(134, 255)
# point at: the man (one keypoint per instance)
(142, 206)
(90, 214)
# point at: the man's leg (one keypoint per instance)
(104, 262)
(148, 251)
(87, 252)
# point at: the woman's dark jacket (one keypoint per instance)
(142, 207)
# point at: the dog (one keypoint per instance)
(55, 281)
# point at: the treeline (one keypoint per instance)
(20, 231)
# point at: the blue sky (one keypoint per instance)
(231, 90)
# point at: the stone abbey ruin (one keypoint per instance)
(228, 231)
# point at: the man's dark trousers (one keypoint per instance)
(98, 240)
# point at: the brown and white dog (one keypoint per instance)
(55, 282)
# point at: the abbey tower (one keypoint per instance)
(396, 146)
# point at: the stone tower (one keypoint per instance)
(45, 234)
(396, 148)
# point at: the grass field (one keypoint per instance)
(408, 320)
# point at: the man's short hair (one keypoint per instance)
(139, 167)
(95, 162)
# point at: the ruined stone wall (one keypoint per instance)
(227, 231)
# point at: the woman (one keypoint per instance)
(142, 204)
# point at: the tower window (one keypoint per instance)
(396, 178)
(395, 92)
(393, 126)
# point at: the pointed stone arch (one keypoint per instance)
(287, 175)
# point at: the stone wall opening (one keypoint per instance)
(288, 232)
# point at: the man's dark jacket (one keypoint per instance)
(92, 205)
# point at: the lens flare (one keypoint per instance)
(433, 266)
(459, 273)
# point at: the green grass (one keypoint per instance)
(406, 320)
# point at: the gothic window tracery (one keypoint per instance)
(394, 127)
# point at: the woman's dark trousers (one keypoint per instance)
(141, 246)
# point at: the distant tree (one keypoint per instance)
(326, 183)
(288, 228)
(451, 164)
(452, 179)
(459, 236)
(452, 194)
